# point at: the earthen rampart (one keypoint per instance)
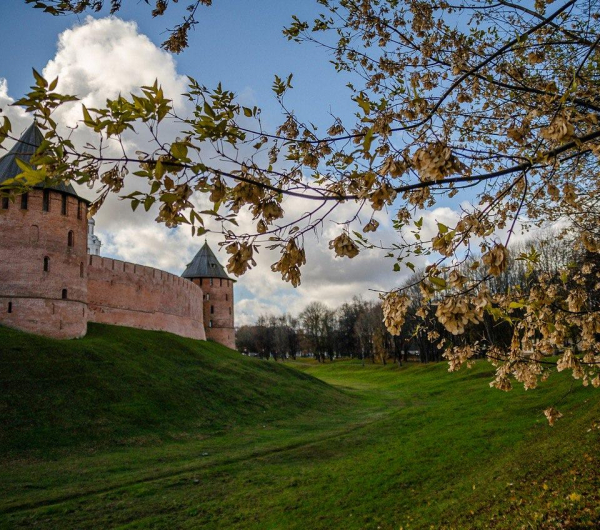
(127, 294)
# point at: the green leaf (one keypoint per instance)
(442, 228)
(368, 140)
(363, 103)
(437, 281)
(419, 223)
(40, 81)
(179, 150)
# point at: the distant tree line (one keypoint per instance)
(356, 328)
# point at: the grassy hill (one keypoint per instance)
(154, 431)
(121, 385)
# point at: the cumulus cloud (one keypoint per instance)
(102, 58)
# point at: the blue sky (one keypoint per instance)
(238, 43)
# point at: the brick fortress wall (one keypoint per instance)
(218, 309)
(51, 286)
(43, 264)
(127, 294)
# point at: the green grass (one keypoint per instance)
(148, 430)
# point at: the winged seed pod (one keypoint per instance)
(435, 162)
(496, 259)
(290, 262)
(344, 246)
(394, 308)
(241, 258)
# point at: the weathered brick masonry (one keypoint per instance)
(132, 295)
(43, 264)
(50, 285)
(207, 273)
(218, 309)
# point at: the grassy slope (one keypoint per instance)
(414, 447)
(120, 385)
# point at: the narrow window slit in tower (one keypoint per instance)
(46, 264)
(24, 200)
(10, 307)
(64, 205)
(46, 201)
(64, 294)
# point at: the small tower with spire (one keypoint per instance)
(206, 271)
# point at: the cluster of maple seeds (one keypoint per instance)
(290, 262)
(496, 259)
(343, 245)
(241, 258)
(395, 306)
(435, 162)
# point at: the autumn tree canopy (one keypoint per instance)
(491, 102)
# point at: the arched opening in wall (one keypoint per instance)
(64, 294)
(10, 307)
(46, 264)
(210, 323)
(63, 207)
(80, 210)
(230, 310)
(46, 201)
(71, 239)
(5, 201)
(24, 201)
(220, 282)
(81, 270)
(212, 309)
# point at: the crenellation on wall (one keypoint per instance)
(51, 285)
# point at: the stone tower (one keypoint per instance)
(206, 271)
(43, 244)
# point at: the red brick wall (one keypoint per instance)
(132, 295)
(34, 295)
(218, 309)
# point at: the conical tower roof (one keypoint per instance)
(205, 265)
(23, 150)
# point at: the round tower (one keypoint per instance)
(43, 253)
(206, 271)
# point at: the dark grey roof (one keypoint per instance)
(24, 149)
(205, 265)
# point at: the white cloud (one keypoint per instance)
(19, 119)
(103, 58)
(100, 59)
